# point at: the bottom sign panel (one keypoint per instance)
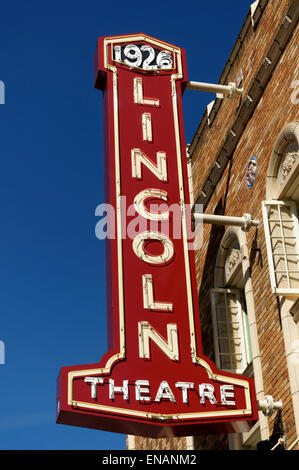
(198, 401)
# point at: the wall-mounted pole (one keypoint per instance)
(246, 221)
(268, 406)
(229, 90)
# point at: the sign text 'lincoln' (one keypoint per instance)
(154, 380)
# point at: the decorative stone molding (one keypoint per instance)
(228, 256)
(288, 162)
(283, 161)
(295, 311)
(232, 261)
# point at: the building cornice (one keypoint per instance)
(250, 100)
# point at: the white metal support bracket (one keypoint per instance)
(229, 90)
(268, 405)
(245, 222)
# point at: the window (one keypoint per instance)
(282, 241)
(280, 213)
(230, 328)
(228, 306)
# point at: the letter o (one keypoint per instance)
(141, 209)
(153, 259)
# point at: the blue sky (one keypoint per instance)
(52, 266)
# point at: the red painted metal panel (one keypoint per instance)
(175, 390)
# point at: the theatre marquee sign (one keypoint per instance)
(154, 381)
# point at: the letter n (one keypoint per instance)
(159, 169)
(169, 347)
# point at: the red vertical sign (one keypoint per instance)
(154, 381)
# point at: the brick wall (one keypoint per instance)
(231, 196)
(146, 443)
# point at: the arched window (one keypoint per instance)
(229, 311)
(280, 214)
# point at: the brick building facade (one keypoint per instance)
(245, 160)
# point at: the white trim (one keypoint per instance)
(235, 233)
(130, 442)
(190, 444)
(253, 8)
(289, 292)
(293, 443)
(242, 332)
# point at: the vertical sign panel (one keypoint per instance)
(154, 381)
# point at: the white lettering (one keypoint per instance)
(159, 169)
(165, 392)
(295, 94)
(94, 381)
(138, 247)
(116, 460)
(2, 92)
(138, 94)
(227, 391)
(207, 391)
(124, 389)
(148, 296)
(105, 228)
(142, 386)
(2, 352)
(153, 194)
(185, 386)
(147, 332)
(147, 133)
